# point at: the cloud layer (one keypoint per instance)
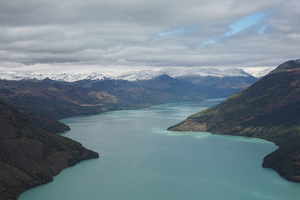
(94, 34)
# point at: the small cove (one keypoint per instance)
(140, 159)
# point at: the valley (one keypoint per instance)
(255, 108)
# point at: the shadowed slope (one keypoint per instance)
(30, 151)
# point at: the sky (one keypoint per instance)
(93, 35)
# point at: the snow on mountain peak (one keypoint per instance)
(131, 75)
(258, 71)
(180, 72)
(205, 71)
(66, 77)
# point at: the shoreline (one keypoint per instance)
(243, 143)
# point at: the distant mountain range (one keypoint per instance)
(61, 99)
(268, 109)
(134, 75)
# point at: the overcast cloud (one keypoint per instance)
(89, 35)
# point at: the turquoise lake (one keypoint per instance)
(141, 160)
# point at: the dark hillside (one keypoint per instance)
(31, 152)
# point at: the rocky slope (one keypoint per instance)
(268, 109)
(31, 152)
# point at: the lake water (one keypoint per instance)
(141, 160)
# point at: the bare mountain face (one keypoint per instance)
(31, 152)
(268, 109)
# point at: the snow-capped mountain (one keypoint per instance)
(182, 72)
(65, 77)
(135, 75)
(258, 71)
(131, 75)
(202, 71)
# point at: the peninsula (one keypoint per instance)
(268, 109)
